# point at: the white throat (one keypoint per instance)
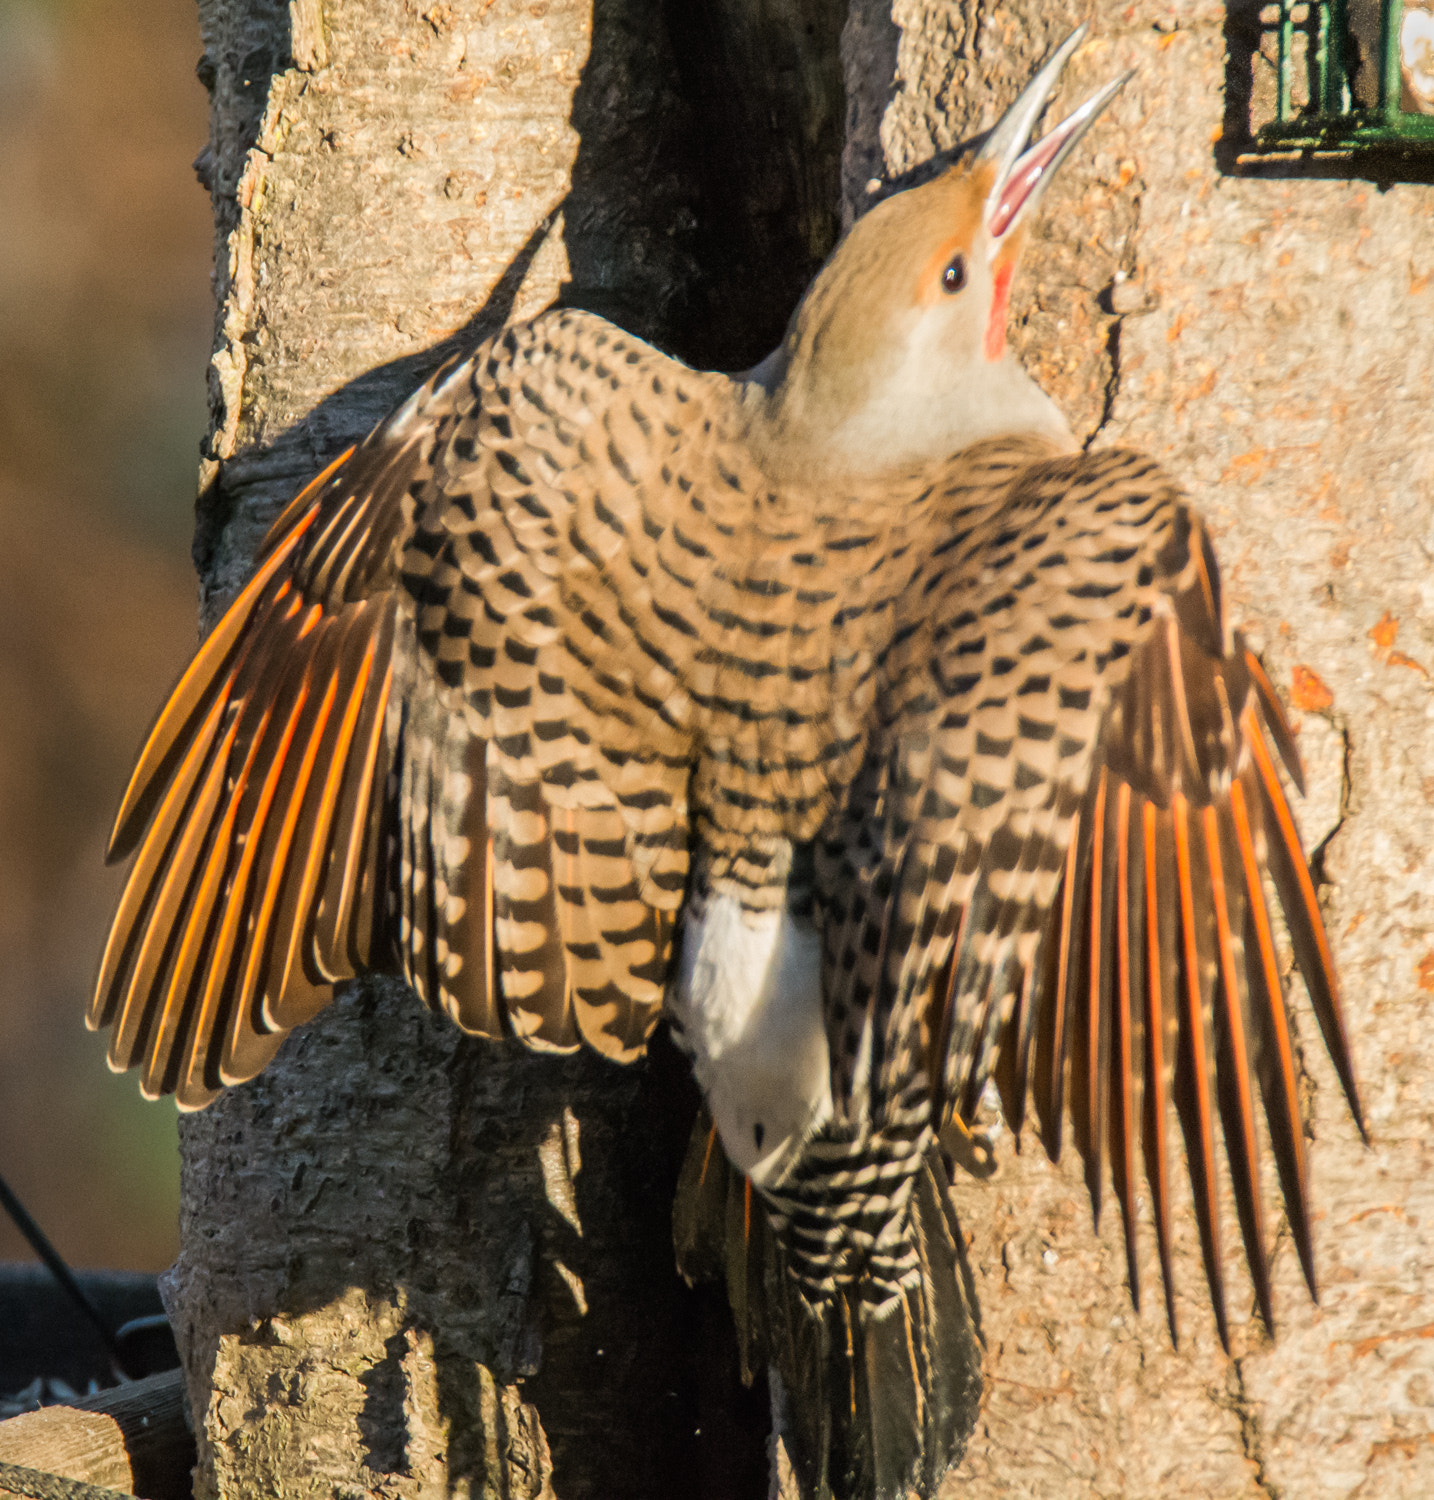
(917, 421)
(912, 418)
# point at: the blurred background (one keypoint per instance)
(105, 324)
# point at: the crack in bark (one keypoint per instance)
(1320, 875)
(1237, 1400)
(1126, 272)
(1324, 884)
(1112, 378)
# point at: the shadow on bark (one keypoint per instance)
(633, 1375)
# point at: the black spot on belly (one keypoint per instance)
(759, 1132)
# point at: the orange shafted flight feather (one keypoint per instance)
(1125, 1079)
(1236, 1105)
(1159, 991)
(1275, 1059)
(1193, 1066)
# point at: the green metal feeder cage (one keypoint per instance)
(1350, 76)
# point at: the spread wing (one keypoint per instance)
(434, 734)
(1057, 865)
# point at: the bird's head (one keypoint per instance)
(897, 353)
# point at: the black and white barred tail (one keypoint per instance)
(877, 1349)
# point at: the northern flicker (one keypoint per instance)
(845, 710)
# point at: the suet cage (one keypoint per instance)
(1346, 77)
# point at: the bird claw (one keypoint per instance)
(969, 1149)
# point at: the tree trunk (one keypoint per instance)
(412, 1263)
(1271, 340)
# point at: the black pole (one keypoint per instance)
(58, 1269)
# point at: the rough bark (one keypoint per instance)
(415, 1264)
(1271, 339)
(381, 1241)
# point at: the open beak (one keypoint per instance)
(1023, 171)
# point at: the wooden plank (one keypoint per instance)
(134, 1439)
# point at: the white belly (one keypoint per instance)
(748, 998)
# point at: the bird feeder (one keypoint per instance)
(1349, 76)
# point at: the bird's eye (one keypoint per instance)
(953, 278)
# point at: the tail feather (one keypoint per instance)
(879, 1393)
